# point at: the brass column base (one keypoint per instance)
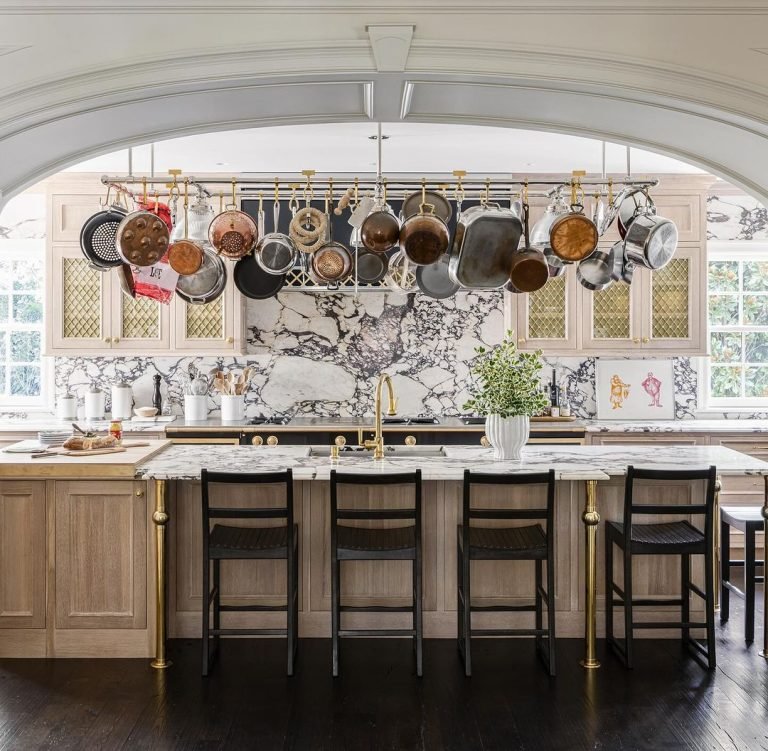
(160, 664)
(589, 664)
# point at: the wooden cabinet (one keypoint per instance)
(101, 555)
(628, 439)
(22, 554)
(86, 310)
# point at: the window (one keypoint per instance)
(22, 283)
(737, 291)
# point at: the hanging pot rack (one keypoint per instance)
(286, 186)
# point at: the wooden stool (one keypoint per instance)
(402, 543)
(747, 519)
(669, 538)
(228, 542)
(530, 542)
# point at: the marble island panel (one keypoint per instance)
(184, 462)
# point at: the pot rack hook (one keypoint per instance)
(277, 190)
(186, 208)
(459, 174)
(261, 201)
(309, 193)
(234, 193)
(487, 190)
(384, 191)
(144, 189)
(357, 191)
(610, 190)
(106, 200)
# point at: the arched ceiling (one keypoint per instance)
(683, 78)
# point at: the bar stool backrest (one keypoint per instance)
(412, 513)
(537, 513)
(705, 509)
(246, 478)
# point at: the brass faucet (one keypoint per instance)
(377, 444)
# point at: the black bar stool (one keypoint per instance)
(668, 538)
(747, 519)
(522, 543)
(351, 543)
(225, 542)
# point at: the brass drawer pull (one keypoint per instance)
(272, 440)
(257, 440)
(410, 440)
(484, 441)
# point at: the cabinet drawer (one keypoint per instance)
(748, 484)
(754, 445)
(628, 439)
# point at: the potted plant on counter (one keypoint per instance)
(505, 390)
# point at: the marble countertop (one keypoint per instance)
(184, 462)
(676, 426)
(34, 423)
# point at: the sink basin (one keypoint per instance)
(390, 452)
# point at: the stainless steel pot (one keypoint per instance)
(205, 285)
(486, 238)
(595, 273)
(651, 241)
(276, 253)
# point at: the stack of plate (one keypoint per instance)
(50, 438)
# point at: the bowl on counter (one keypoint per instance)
(145, 411)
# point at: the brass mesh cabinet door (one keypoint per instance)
(548, 319)
(77, 314)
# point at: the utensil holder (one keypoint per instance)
(195, 408)
(232, 407)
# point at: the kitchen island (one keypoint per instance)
(167, 574)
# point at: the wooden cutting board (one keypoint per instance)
(94, 452)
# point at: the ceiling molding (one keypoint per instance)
(9, 49)
(390, 45)
(344, 7)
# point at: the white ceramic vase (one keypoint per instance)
(507, 435)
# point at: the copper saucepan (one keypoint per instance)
(529, 270)
(424, 237)
(573, 236)
(232, 233)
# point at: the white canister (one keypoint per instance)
(122, 401)
(195, 408)
(94, 404)
(66, 407)
(232, 407)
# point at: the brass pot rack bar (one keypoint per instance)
(296, 184)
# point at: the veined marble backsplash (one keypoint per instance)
(321, 354)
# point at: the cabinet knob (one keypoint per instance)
(230, 340)
(636, 340)
(340, 441)
(410, 440)
(484, 441)
(116, 339)
(257, 440)
(646, 340)
(272, 440)
(521, 340)
(107, 339)
(139, 493)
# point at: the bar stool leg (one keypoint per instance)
(216, 604)
(335, 612)
(749, 584)
(608, 588)
(709, 577)
(467, 625)
(539, 607)
(628, 630)
(290, 614)
(459, 595)
(295, 602)
(551, 612)
(725, 571)
(206, 612)
(685, 594)
(417, 611)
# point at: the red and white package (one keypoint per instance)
(157, 282)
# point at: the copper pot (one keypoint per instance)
(380, 231)
(332, 262)
(573, 236)
(233, 234)
(529, 270)
(424, 237)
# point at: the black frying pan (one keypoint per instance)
(97, 238)
(252, 281)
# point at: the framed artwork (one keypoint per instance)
(634, 389)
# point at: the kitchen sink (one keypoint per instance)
(390, 452)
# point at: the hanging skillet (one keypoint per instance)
(233, 234)
(142, 237)
(205, 285)
(254, 281)
(98, 235)
(528, 270)
(276, 252)
(573, 236)
(185, 256)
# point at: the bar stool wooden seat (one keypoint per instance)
(749, 520)
(663, 538)
(230, 542)
(524, 543)
(354, 543)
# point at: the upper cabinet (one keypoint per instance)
(661, 312)
(88, 312)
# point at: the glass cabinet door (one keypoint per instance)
(139, 323)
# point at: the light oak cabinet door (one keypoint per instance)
(611, 318)
(22, 553)
(138, 324)
(101, 555)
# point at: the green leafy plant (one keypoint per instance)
(506, 381)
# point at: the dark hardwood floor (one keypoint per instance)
(667, 702)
